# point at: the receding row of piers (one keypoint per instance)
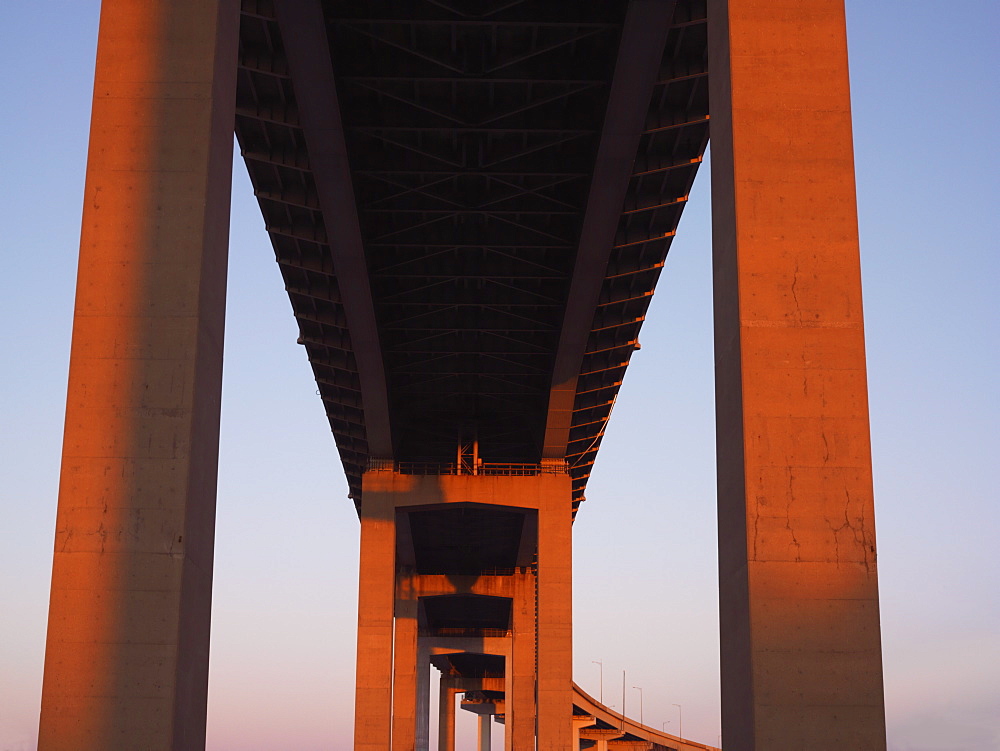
(510, 555)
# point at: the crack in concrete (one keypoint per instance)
(857, 533)
(795, 295)
(788, 517)
(756, 519)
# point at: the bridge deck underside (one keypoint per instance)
(472, 133)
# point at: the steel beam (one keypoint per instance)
(303, 27)
(636, 71)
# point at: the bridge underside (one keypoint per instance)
(470, 204)
(507, 178)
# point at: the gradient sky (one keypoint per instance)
(924, 77)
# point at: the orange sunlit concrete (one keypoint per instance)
(801, 653)
(127, 650)
(469, 289)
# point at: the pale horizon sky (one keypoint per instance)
(924, 81)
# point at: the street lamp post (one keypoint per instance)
(623, 701)
(639, 689)
(680, 721)
(601, 694)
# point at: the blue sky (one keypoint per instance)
(926, 114)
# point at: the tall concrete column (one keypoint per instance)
(485, 741)
(423, 742)
(801, 661)
(405, 673)
(555, 620)
(126, 663)
(519, 723)
(446, 716)
(376, 597)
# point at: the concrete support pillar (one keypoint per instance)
(423, 742)
(126, 662)
(376, 598)
(579, 723)
(801, 660)
(405, 673)
(485, 741)
(519, 722)
(555, 622)
(446, 716)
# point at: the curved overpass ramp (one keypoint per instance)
(602, 729)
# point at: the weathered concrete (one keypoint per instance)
(126, 663)
(801, 661)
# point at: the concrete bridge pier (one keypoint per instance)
(519, 721)
(422, 742)
(801, 651)
(495, 598)
(485, 728)
(126, 661)
(446, 715)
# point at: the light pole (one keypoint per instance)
(639, 689)
(601, 664)
(680, 721)
(623, 701)
(664, 725)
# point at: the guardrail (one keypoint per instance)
(482, 468)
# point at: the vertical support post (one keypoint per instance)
(519, 723)
(484, 732)
(423, 740)
(405, 674)
(555, 618)
(446, 715)
(126, 662)
(376, 598)
(801, 658)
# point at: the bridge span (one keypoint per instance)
(470, 203)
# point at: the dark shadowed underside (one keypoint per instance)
(473, 185)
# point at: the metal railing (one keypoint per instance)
(482, 468)
(466, 632)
